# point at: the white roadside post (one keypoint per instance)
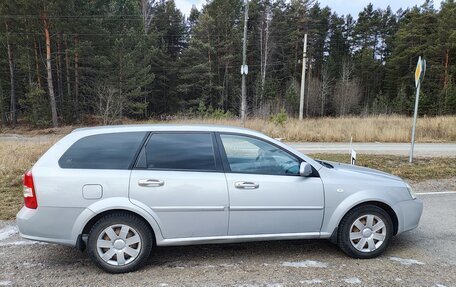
(353, 157)
(352, 153)
(419, 74)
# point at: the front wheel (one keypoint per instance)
(119, 243)
(365, 232)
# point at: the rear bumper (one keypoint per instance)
(409, 214)
(48, 224)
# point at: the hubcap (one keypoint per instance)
(118, 244)
(367, 233)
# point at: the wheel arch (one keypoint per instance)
(387, 208)
(81, 244)
(97, 217)
(112, 205)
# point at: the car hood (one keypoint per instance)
(358, 170)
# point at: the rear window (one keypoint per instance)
(179, 151)
(104, 151)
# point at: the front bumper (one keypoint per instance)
(409, 213)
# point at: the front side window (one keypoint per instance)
(250, 155)
(103, 151)
(180, 151)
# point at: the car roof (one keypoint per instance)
(167, 127)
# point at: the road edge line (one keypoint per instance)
(435, 192)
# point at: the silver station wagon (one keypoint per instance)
(119, 191)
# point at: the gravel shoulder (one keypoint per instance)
(435, 185)
(425, 256)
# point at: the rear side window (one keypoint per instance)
(103, 151)
(179, 151)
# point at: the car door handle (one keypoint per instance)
(246, 185)
(151, 182)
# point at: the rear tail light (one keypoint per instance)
(29, 191)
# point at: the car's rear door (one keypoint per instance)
(180, 177)
(266, 193)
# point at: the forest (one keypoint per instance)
(75, 61)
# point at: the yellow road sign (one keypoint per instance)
(418, 71)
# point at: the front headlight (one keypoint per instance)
(410, 190)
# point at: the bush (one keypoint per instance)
(211, 113)
(36, 107)
(280, 118)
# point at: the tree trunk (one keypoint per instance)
(67, 69)
(210, 66)
(258, 101)
(29, 67)
(59, 71)
(37, 63)
(225, 88)
(76, 76)
(49, 72)
(146, 11)
(2, 111)
(325, 86)
(308, 90)
(12, 80)
(120, 83)
(265, 60)
(445, 81)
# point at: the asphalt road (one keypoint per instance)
(421, 149)
(425, 256)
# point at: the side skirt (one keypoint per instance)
(237, 238)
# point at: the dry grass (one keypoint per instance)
(362, 129)
(367, 129)
(17, 157)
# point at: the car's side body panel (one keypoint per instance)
(49, 224)
(280, 204)
(345, 189)
(69, 198)
(188, 204)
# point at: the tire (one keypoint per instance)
(359, 235)
(127, 250)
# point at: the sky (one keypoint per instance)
(342, 7)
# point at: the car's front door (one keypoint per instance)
(180, 177)
(266, 193)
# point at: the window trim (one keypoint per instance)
(217, 157)
(226, 164)
(130, 165)
(138, 152)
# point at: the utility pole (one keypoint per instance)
(303, 77)
(244, 68)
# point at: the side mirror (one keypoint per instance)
(305, 169)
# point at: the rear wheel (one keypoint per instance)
(365, 232)
(119, 242)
